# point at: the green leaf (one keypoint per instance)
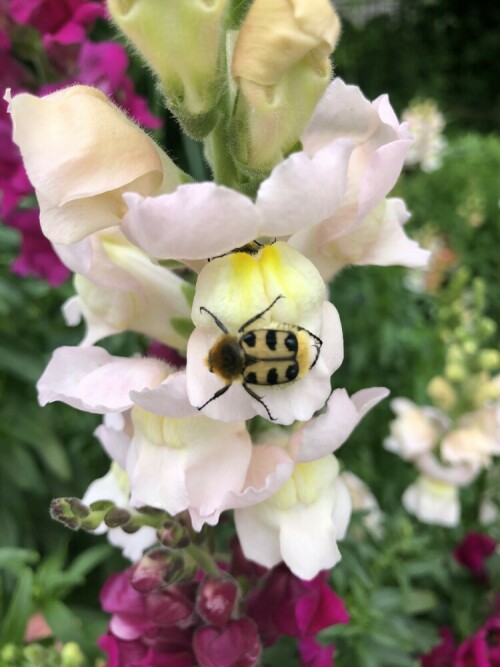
(65, 625)
(15, 558)
(89, 559)
(19, 610)
(419, 601)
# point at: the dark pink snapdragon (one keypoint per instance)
(473, 551)
(193, 624)
(283, 604)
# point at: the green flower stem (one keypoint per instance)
(202, 558)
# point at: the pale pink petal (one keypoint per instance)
(326, 433)
(342, 112)
(284, 199)
(169, 399)
(381, 175)
(212, 463)
(269, 468)
(456, 475)
(115, 436)
(196, 221)
(91, 379)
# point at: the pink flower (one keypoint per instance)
(287, 605)
(235, 645)
(37, 256)
(473, 551)
(159, 627)
(59, 21)
(14, 183)
(443, 654)
(483, 648)
(104, 65)
(313, 654)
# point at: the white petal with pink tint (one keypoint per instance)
(91, 379)
(325, 434)
(168, 399)
(301, 523)
(285, 198)
(180, 464)
(196, 221)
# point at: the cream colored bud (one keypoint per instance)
(181, 41)
(281, 65)
(442, 393)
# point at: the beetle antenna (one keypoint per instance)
(215, 319)
(259, 315)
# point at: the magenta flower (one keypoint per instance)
(482, 649)
(473, 551)
(443, 654)
(313, 654)
(235, 645)
(37, 257)
(104, 65)
(176, 625)
(287, 605)
(59, 21)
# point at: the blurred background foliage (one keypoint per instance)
(398, 589)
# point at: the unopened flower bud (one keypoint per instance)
(173, 535)
(455, 372)
(116, 517)
(69, 511)
(155, 569)
(181, 41)
(489, 359)
(281, 65)
(441, 392)
(72, 656)
(216, 599)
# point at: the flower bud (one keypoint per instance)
(489, 359)
(455, 372)
(281, 66)
(173, 535)
(216, 599)
(180, 40)
(441, 392)
(155, 569)
(69, 511)
(72, 656)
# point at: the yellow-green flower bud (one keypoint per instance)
(441, 392)
(72, 656)
(489, 359)
(181, 41)
(455, 372)
(281, 66)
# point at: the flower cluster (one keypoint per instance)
(45, 45)
(426, 124)
(230, 277)
(455, 440)
(209, 621)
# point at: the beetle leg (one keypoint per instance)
(259, 315)
(218, 393)
(317, 345)
(258, 398)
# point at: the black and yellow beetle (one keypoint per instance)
(276, 355)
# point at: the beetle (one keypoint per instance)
(275, 355)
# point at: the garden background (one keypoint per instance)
(399, 589)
